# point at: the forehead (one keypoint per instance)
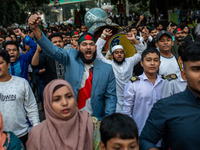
(119, 141)
(133, 29)
(11, 46)
(56, 38)
(151, 55)
(192, 63)
(61, 90)
(153, 31)
(87, 42)
(76, 35)
(178, 32)
(118, 50)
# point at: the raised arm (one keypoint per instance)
(46, 45)
(100, 44)
(35, 59)
(33, 23)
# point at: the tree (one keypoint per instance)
(13, 11)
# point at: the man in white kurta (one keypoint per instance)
(123, 69)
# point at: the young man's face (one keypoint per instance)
(83, 28)
(120, 144)
(64, 39)
(165, 43)
(13, 37)
(154, 33)
(57, 41)
(160, 27)
(178, 36)
(13, 52)
(118, 55)
(75, 37)
(191, 72)
(88, 48)
(151, 63)
(134, 31)
(4, 68)
(68, 39)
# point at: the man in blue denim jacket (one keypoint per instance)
(93, 81)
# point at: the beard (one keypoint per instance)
(119, 62)
(87, 61)
(179, 39)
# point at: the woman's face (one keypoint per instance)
(63, 102)
(186, 29)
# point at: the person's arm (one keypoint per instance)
(129, 99)
(155, 127)
(100, 44)
(35, 59)
(28, 41)
(110, 94)
(138, 45)
(46, 45)
(140, 20)
(30, 105)
(33, 22)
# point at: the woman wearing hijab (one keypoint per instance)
(8, 140)
(65, 126)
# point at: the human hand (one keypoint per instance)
(107, 32)
(141, 17)
(130, 36)
(18, 32)
(39, 48)
(34, 21)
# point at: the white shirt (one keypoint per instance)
(88, 106)
(168, 65)
(122, 72)
(173, 86)
(16, 103)
(139, 98)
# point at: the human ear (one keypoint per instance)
(102, 146)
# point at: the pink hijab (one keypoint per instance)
(55, 133)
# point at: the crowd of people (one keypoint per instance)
(148, 101)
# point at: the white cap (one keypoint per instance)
(116, 47)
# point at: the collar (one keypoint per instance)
(192, 97)
(158, 78)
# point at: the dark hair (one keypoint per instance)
(132, 27)
(54, 29)
(11, 43)
(191, 52)
(13, 34)
(4, 54)
(52, 35)
(149, 50)
(118, 125)
(182, 47)
(57, 87)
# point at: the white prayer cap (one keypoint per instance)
(116, 47)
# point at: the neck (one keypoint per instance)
(151, 76)
(166, 53)
(5, 78)
(197, 93)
